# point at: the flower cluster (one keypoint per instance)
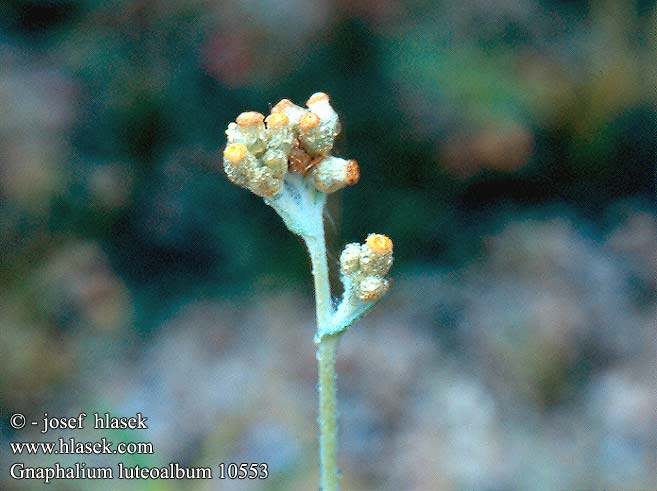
(364, 267)
(286, 159)
(262, 151)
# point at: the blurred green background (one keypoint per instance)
(507, 147)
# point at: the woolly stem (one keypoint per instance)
(328, 426)
(328, 438)
(317, 250)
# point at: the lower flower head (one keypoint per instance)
(364, 267)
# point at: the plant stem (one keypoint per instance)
(328, 427)
(317, 249)
(328, 438)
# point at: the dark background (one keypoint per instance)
(506, 147)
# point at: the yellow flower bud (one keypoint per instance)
(239, 164)
(379, 243)
(315, 137)
(317, 97)
(290, 109)
(249, 129)
(333, 173)
(279, 133)
(319, 103)
(376, 255)
(235, 152)
(277, 119)
(249, 118)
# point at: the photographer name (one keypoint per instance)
(104, 421)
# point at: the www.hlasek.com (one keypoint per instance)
(102, 446)
(70, 446)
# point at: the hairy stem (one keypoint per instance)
(328, 426)
(328, 438)
(317, 250)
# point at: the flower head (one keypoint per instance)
(262, 151)
(364, 268)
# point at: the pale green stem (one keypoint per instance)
(328, 438)
(317, 249)
(328, 426)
